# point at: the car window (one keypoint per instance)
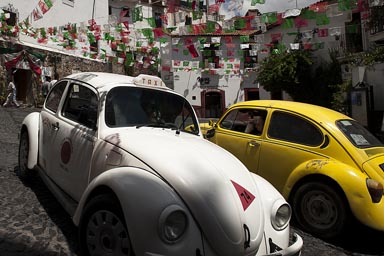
(292, 128)
(54, 97)
(357, 134)
(133, 106)
(81, 105)
(245, 120)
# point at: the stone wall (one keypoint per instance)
(59, 63)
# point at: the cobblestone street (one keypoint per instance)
(31, 220)
(33, 223)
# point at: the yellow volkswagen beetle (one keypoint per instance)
(326, 164)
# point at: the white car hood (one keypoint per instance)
(217, 188)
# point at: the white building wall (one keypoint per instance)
(190, 80)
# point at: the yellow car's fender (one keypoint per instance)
(30, 125)
(351, 181)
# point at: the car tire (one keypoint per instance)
(321, 210)
(23, 170)
(102, 228)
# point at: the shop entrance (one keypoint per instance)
(23, 82)
(213, 103)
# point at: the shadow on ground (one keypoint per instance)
(54, 210)
(361, 239)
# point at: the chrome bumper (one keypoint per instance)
(293, 250)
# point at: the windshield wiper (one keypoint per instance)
(159, 125)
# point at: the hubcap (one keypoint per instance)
(106, 234)
(319, 210)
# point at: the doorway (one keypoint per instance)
(23, 84)
(212, 103)
(251, 94)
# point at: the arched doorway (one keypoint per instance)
(212, 103)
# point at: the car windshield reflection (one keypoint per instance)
(140, 107)
(358, 134)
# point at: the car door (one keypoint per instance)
(291, 140)
(240, 132)
(72, 139)
(48, 125)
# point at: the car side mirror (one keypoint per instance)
(210, 133)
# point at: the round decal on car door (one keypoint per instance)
(66, 151)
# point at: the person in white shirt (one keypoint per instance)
(56, 77)
(11, 98)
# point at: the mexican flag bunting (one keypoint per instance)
(308, 14)
(319, 7)
(36, 14)
(188, 40)
(43, 6)
(137, 14)
(307, 45)
(254, 2)
(322, 32)
(211, 27)
(276, 37)
(158, 32)
(244, 39)
(322, 19)
(240, 24)
(270, 17)
(288, 23)
(230, 53)
(192, 51)
(300, 22)
(147, 32)
(228, 39)
(345, 5)
(216, 40)
(151, 22)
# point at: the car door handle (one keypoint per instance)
(55, 126)
(253, 143)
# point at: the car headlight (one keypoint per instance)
(173, 223)
(281, 215)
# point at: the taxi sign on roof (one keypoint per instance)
(148, 80)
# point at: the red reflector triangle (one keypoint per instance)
(245, 196)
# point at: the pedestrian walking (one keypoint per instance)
(46, 85)
(11, 98)
(55, 78)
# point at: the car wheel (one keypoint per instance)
(23, 169)
(320, 210)
(102, 228)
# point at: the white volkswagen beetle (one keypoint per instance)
(126, 159)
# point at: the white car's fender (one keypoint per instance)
(272, 199)
(144, 198)
(31, 124)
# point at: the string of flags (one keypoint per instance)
(114, 38)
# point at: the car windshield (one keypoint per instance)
(357, 134)
(134, 106)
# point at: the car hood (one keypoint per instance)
(217, 188)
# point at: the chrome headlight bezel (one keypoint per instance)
(281, 215)
(173, 223)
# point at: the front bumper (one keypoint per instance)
(293, 250)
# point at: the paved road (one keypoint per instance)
(32, 223)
